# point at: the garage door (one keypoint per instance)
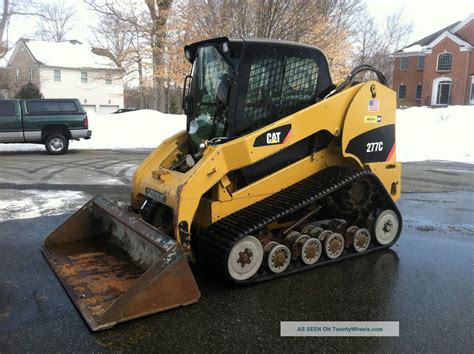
(106, 109)
(89, 107)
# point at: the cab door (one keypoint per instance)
(10, 122)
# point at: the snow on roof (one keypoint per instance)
(69, 54)
(413, 48)
(429, 41)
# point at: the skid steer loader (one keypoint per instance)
(279, 171)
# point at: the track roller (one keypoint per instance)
(333, 245)
(323, 235)
(308, 248)
(315, 232)
(361, 240)
(306, 230)
(311, 251)
(278, 257)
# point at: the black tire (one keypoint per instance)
(56, 144)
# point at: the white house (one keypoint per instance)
(67, 69)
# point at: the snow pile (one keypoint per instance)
(137, 129)
(436, 134)
(422, 133)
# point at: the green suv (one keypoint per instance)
(52, 122)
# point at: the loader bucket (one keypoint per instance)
(116, 267)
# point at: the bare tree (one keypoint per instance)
(54, 20)
(9, 9)
(374, 44)
(129, 49)
(324, 23)
(149, 19)
(3, 27)
(159, 11)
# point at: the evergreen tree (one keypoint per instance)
(30, 90)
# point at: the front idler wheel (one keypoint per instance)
(245, 258)
(386, 227)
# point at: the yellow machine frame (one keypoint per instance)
(343, 115)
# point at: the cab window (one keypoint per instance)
(51, 106)
(7, 109)
(279, 86)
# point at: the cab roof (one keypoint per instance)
(237, 43)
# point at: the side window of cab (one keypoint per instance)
(7, 109)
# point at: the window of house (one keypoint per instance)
(421, 62)
(57, 75)
(17, 75)
(444, 62)
(404, 63)
(84, 76)
(31, 75)
(2, 76)
(418, 92)
(402, 91)
(108, 79)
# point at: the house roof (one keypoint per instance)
(428, 39)
(426, 43)
(68, 54)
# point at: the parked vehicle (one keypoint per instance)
(124, 110)
(52, 122)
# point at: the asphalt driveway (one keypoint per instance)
(425, 282)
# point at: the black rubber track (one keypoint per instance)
(215, 243)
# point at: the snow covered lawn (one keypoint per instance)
(422, 133)
(130, 130)
(436, 134)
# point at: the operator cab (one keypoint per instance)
(238, 85)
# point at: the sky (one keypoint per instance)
(427, 16)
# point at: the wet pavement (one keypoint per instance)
(425, 282)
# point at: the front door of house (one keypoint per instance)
(444, 90)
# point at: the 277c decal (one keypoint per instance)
(374, 147)
(280, 135)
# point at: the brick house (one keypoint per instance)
(66, 69)
(437, 70)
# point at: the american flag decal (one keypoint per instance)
(373, 105)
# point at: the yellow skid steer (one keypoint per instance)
(279, 171)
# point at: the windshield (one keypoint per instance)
(209, 70)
